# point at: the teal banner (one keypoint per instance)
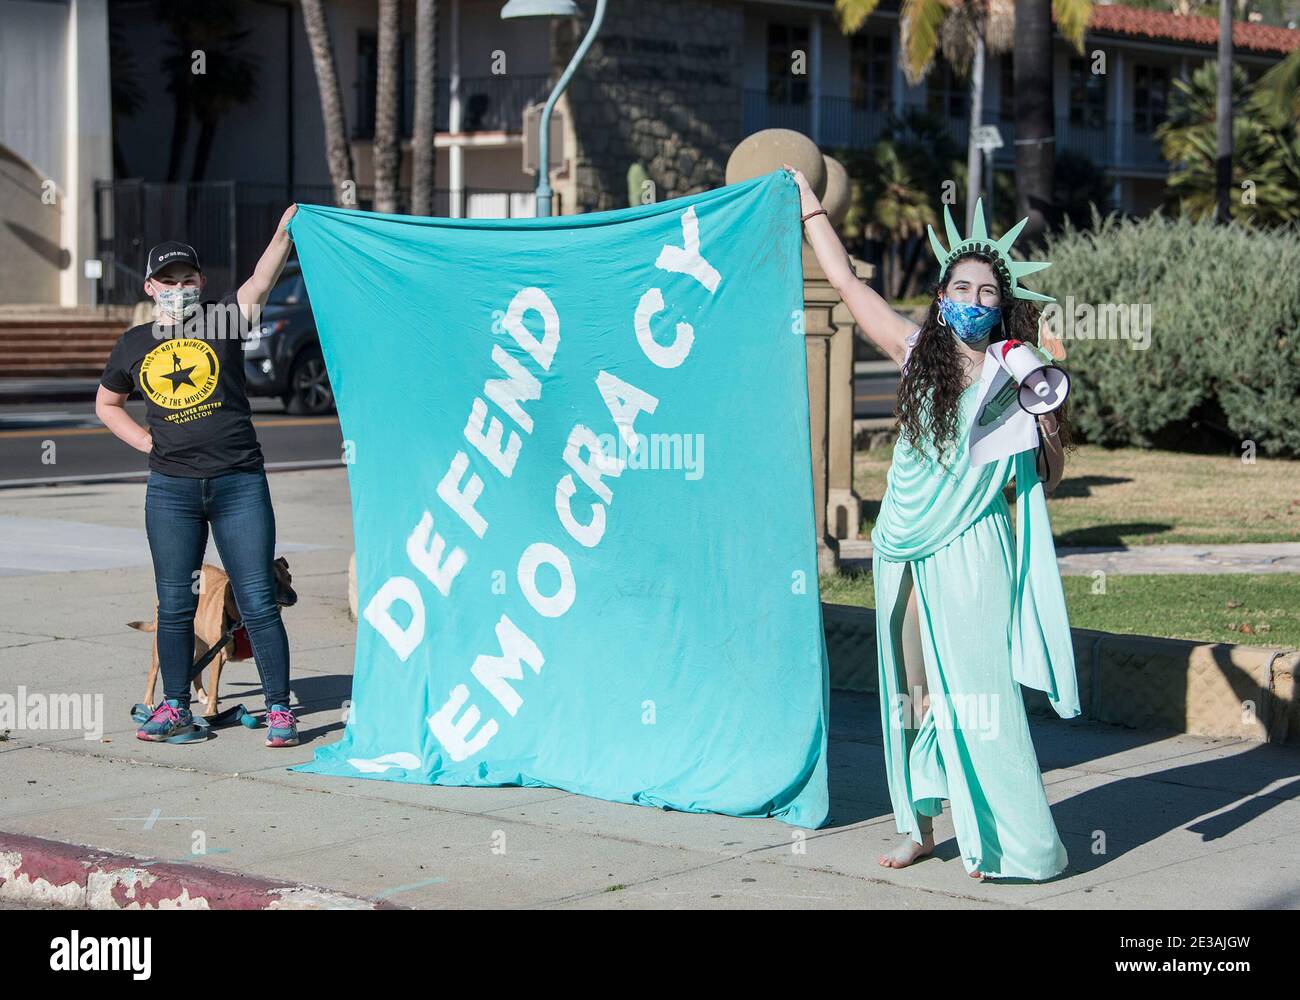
(578, 451)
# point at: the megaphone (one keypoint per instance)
(1043, 386)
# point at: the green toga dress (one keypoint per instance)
(992, 615)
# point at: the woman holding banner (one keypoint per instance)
(206, 471)
(963, 612)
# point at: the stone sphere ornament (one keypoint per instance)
(838, 193)
(770, 149)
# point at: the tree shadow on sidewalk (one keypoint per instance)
(1212, 798)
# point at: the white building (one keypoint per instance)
(55, 140)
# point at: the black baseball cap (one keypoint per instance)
(170, 252)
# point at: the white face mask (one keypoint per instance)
(175, 302)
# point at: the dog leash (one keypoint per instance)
(198, 732)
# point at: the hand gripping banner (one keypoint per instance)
(578, 453)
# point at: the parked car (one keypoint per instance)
(286, 360)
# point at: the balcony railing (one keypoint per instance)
(844, 124)
(1125, 149)
(488, 104)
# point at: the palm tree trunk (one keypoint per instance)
(1223, 118)
(423, 164)
(181, 111)
(203, 151)
(910, 268)
(1035, 125)
(973, 156)
(337, 151)
(388, 152)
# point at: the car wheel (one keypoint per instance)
(309, 385)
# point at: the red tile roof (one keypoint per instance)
(1118, 19)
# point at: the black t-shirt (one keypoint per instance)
(191, 376)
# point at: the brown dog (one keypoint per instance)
(217, 612)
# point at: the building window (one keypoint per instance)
(1150, 91)
(784, 86)
(1087, 95)
(945, 95)
(871, 73)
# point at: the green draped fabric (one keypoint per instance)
(992, 613)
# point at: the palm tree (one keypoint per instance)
(1265, 150)
(337, 151)
(895, 210)
(423, 162)
(230, 80)
(387, 144)
(1223, 119)
(176, 68)
(965, 31)
(892, 192)
(1035, 126)
(1281, 87)
(206, 90)
(1278, 99)
(127, 95)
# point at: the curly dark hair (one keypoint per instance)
(932, 383)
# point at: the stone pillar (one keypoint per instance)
(819, 301)
(762, 153)
(843, 505)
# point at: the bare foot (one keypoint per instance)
(907, 852)
(977, 875)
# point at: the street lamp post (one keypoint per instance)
(552, 8)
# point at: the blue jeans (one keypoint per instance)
(177, 512)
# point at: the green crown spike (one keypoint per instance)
(1000, 250)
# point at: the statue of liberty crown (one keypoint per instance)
(1000, 250)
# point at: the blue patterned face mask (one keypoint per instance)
(970, 323)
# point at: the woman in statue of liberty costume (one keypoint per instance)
(964, 613)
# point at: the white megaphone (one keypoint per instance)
(1043, 386)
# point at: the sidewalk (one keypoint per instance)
(1083, 560)
(1148, 820)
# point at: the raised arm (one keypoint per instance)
(252, 293)
(884, 327)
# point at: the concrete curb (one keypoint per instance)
(1217, 690)
(49, 872)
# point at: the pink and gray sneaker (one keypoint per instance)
(281, 727)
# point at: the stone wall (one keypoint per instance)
(1213, 689)
(660, 86)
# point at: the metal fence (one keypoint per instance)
(230, 222)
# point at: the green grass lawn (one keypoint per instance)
(1257, 610)
(1131, 496)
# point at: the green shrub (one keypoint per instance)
(1224, 343)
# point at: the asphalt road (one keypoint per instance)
(64, 442)
(875, 395)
